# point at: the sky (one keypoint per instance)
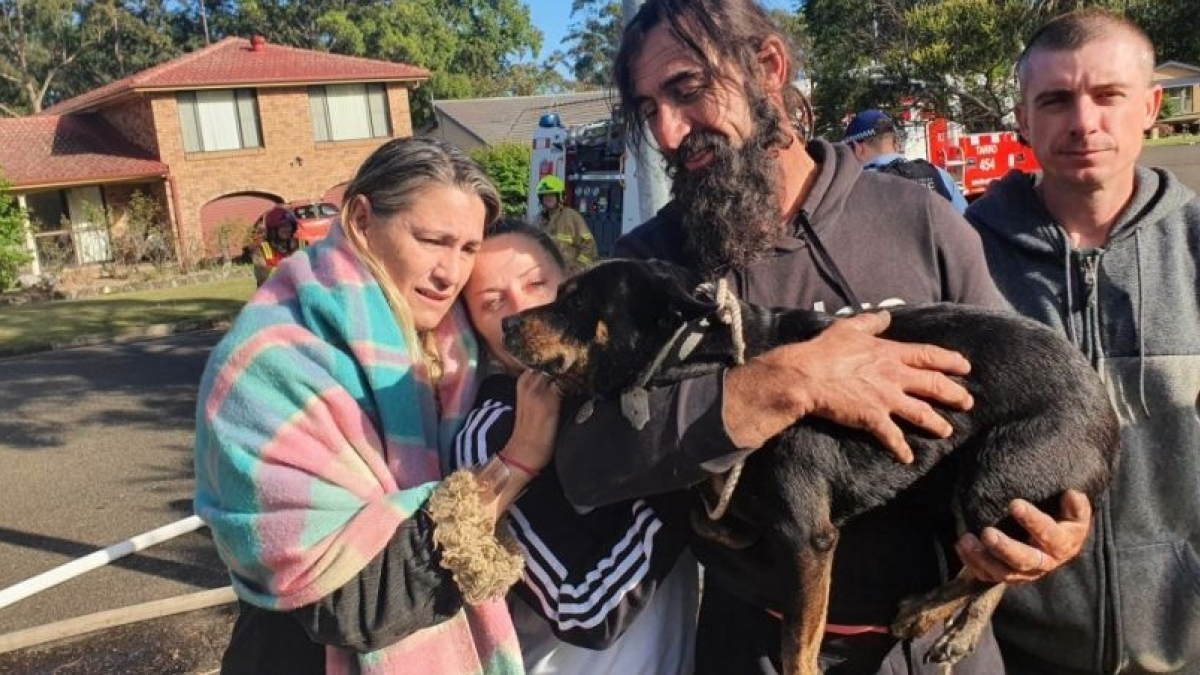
(553, 18)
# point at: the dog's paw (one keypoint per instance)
(953, 646)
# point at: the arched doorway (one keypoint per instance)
(334, 194)
(226, 222)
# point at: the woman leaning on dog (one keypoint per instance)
(324, 417)
(609, 590)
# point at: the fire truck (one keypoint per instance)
(973, 160)
(601, 181)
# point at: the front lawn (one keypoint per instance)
(29, 326)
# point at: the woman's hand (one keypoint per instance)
(538, 401)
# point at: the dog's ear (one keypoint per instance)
(679, 282)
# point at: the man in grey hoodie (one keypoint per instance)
(1109, 253)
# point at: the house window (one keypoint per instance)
(70, 227)
(219, 120)
(1181, 99)
(341, 112)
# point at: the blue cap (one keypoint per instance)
(549, 121)
(866, 124)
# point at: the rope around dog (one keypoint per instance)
(729, 312)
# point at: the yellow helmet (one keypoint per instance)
(551, 185)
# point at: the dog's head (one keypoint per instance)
(606, 326)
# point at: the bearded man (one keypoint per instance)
(795, 224)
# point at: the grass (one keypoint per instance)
(28, 326)
(1177, 139)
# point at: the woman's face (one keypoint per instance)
(428, 250)
(512, 273)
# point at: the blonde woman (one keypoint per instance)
(323, 419)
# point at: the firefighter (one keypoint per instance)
(280, 242)
(565, 225)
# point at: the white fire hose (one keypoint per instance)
(92, 561)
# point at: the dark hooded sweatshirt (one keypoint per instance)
(894, 242)
(1131, 602)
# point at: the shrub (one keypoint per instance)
(13, 255)
(507, 165)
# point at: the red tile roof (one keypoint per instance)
(232, 62)
(52, 150)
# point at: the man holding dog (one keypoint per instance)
(711, 80)
(1108, 253)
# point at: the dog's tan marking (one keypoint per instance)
(602, 334)
(545, 344)
(802, 637)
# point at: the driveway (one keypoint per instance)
(96, 445)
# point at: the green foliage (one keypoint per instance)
(1168, 108)
(954, 57)
(13, 255)
(507, 165)
(55, 49)
(593, 41)
(147, 236)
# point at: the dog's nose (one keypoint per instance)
(510, 324)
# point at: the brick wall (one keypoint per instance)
(290, 165)
(135, 120)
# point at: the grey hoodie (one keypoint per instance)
(1131, 602)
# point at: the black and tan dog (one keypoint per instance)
(1041, 424)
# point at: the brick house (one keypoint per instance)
(216, 136)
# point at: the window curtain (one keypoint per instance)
(218, 115)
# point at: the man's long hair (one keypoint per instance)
(729, 32)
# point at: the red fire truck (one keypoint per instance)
(974, 160)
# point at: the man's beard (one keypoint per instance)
(730, 212)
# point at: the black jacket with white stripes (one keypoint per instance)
(588, 574)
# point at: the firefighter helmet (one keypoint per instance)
(551, 185)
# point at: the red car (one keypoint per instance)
(286, 228)
(311, 218)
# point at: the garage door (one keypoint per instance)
(225, 222)
(334, 194)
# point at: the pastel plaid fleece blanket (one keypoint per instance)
(317, 436)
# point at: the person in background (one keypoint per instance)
(279, 241)
(565, 225)
(323, 420)
(609, 590)
(1107, 252)
(876, 143)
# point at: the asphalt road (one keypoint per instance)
(1183, 160)
(95, 447)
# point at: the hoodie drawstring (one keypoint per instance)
(1141, 325)
(1069, 273)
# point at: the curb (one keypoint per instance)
(156, 609)
(150, 332)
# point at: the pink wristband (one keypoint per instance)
(519, 466)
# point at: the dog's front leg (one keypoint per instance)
(804, 622)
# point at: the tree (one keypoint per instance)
(12, 237)
(593, 41)
(954, 57)
(963, 52)
(508, 166)
(54, 49)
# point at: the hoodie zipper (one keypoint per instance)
(1089, 262)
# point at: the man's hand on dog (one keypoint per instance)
(849, 376)
(1000, 558)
